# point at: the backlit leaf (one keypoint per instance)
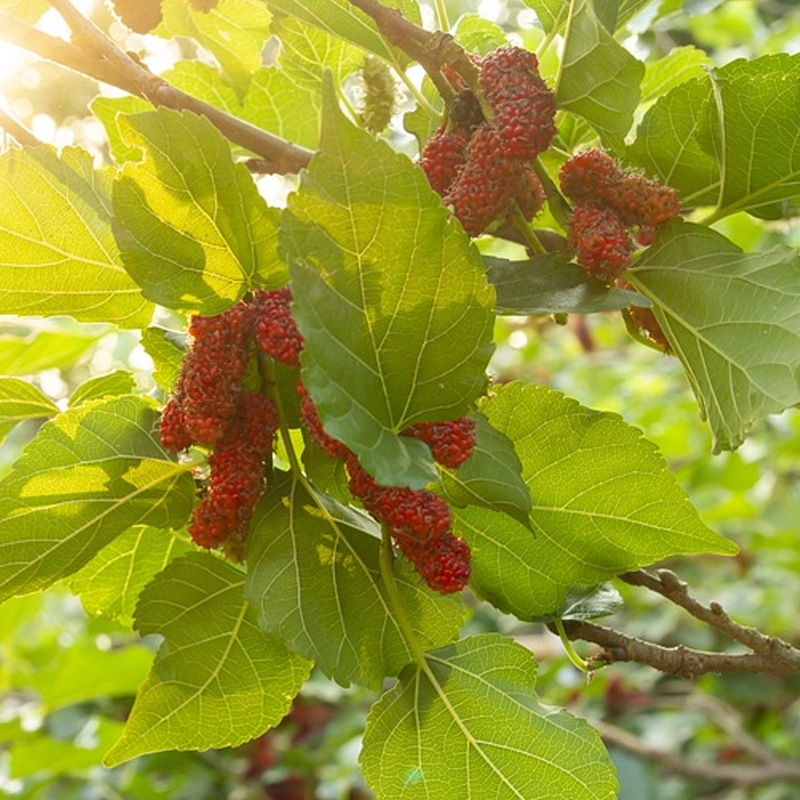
(390, 296)
(193, 230)
(90, 473)
(21, 400)
(603, 502)
(57, 250)
(217, 681)
(314, 576)
(470, 725)
(733, 319)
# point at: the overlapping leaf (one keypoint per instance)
(192, 228)
(391, 297)
(729, 139)
(110, 584)
(272, 101)
(599, 79)
(57, 251)
(469, 724)
(603, 502)
(21, 400)
(314, 577)
(343, 20)
(217, 681)
(491, 476)
(90, 473)
(733, 319)
(234, 31)
(550, 284)
(114, 383)
(47, 349)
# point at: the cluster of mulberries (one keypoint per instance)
(480, 166)
(613, 210)
(212, 407)
(418, 520)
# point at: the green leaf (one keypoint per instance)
(603, 503)
(552, 14)
(217, 681)
(478, 35)
(341, 19)
(306, 52)
(550, 284)
(167, 349)
(469, 724)
(85, 672)
(272, 101)
(732, 318)
(110, 584)
(114, 383)
(390, 296)
(681, 64)
(730, 138)
(47, 349)
(491, 476)
(674, 142)
(55, 224)
(234, 31)
(192, 228)
(90, 473)
(599, 79)
(21, 400)
(582, 603)
(313, 573)
(110, 110)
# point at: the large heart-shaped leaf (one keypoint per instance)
(603, 502)
(390, 296)
(468, 723)
(733, 319)
(217, 681)
(90, 473)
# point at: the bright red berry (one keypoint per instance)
(275, 329)
(590, 176)
(172, 429)
(443, 157)
(486, 184)
(600, 242)
(451, 442)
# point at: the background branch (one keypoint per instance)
(93, 54)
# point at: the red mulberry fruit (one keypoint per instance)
(451, 442)
(600, 241)
(275, 329)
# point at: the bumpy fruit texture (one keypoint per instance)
(443, 157)
(523, 107)
(275, 329)
(378, 103)
(451, 442)
(419, 523)
(479, 166)
(236, 473)
(213, 372)
(172, 428)
(486, 184)
(593, 177)
(600, 242)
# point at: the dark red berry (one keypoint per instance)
(172, 429)
(443, 157)
(313, 425)
(600, 242)
(451, 442)
(275, 329)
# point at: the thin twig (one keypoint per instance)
(669, 585)
(93, 54)
(683, 661)
(13, 127)
(742, 775)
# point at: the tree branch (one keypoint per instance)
(93, 54)
(13, 127)
(742, 775)
(770, 655)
